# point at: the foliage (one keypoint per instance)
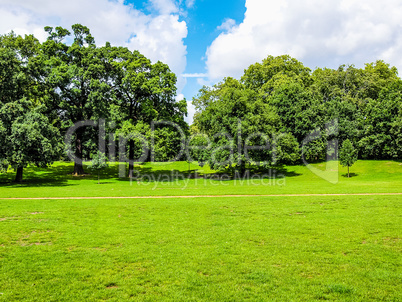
(76, 74)
(240, 127)
(99, 162)
(363, 103)
(72, 80)
(27, 135)
(261, 120)
(347, 154)
(144, 93)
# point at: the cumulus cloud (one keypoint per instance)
(318, 33)
(158, 37)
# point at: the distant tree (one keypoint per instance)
(99, 162)
(347, 154)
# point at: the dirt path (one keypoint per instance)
(200, 196)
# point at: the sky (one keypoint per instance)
(204, 41)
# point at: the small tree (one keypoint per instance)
(347, 154)
(99, 162)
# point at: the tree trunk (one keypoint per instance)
(241, 168)
(98, 177)
(78, 167)
(18, 177)
(348, 171)
(131, 160)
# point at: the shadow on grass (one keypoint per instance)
(60, 175)
(152, 174)
(38, 177)
(350, 175)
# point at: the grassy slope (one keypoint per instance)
(221, 249)
(368, 177)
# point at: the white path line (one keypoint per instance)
(198, 196)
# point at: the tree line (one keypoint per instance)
(301, 113)
(278, 112)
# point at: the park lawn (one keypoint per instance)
(339, 248)
(172, 179)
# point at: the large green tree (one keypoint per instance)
(78, 75)
(27, 135)
(365, 103)
(286, 85)
(145, 93)
(242, 129)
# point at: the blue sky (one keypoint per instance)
(204, 40)
(203, 19)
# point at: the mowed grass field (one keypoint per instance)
(167, 179)
(260, 248)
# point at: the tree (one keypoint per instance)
(99, 162)
(33, 140)
(365, 102)
(27, 135)
(264, 75)
(138, 137)
(298, 108)
(380, 135)
(77, 75)
(143, 93)
(347, 154)
(198, 147)
(241, 128)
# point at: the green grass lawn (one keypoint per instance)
(202, 249)
(308, 248)
(171, 179)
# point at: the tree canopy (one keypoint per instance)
(47, 88)
(282, 98)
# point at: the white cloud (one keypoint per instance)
(157, 37)
(165, 6)
(227, 25)
(204, 82)
(190, 3)
(190, 109)
(194, 75)
(318, 33)
(190, 113)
